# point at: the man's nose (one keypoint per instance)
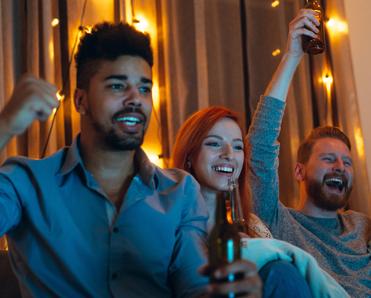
(132, 97)
(339, 166)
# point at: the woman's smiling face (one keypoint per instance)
(221, 156)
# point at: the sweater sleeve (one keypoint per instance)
(263, 160)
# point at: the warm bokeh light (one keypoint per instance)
(141, 24)
(55, 22)
(276, 52)
(154, 157)
(60, 95)
(156, 96)
(336, 26)
(359, 142)
(51, 50)
(327, 79)
(275, 3)
(86, 28)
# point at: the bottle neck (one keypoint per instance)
(221, 214)
(236, 212)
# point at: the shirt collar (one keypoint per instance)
(145, 169)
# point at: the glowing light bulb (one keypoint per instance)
(275, 3)
(327, 79)
(60, 95)
(55, 22)
(140, 23)
(276, 52)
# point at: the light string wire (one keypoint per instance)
(81, 27)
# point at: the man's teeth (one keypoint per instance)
(129, 120)
(223, 169)
(335, 182)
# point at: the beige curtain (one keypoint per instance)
(347, 108)
(207, 52)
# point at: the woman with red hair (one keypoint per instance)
(210, 145)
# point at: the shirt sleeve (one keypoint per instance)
(10, 206)
(263, 160)
(190, 252)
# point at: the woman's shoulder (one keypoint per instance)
(258, 226)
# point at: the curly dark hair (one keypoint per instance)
(108, 41)
(305, 148)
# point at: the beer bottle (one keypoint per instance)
(224, 240)
(237, 216)
(316, 45)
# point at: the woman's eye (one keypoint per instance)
(238, 147)
(212, 144)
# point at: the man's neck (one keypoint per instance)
(113, 170)
(310, 209)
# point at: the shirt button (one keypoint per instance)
(115, 230)
(114, 276)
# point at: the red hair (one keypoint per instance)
(188, 145)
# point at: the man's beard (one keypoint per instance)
(115, 142)
(123, 143)
(325, 200)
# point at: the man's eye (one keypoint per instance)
(116, 87)
(348, 163)
(328, 159)
(145, 89)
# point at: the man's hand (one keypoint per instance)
(305, 23)
(32, 99)
(247, 283)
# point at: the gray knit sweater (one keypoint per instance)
(340, 245)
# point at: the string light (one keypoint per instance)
(327, 79)
(140, 23)
(55, 22)
(275, 3)
(276, 52)
(86, 29)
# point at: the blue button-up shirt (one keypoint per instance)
(67, 239)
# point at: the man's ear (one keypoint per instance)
(80, 101)
(299, 171)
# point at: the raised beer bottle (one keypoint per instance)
(316, 45)
(224, 240)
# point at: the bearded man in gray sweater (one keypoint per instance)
(338, 239)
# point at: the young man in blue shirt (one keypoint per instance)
(97, 219)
